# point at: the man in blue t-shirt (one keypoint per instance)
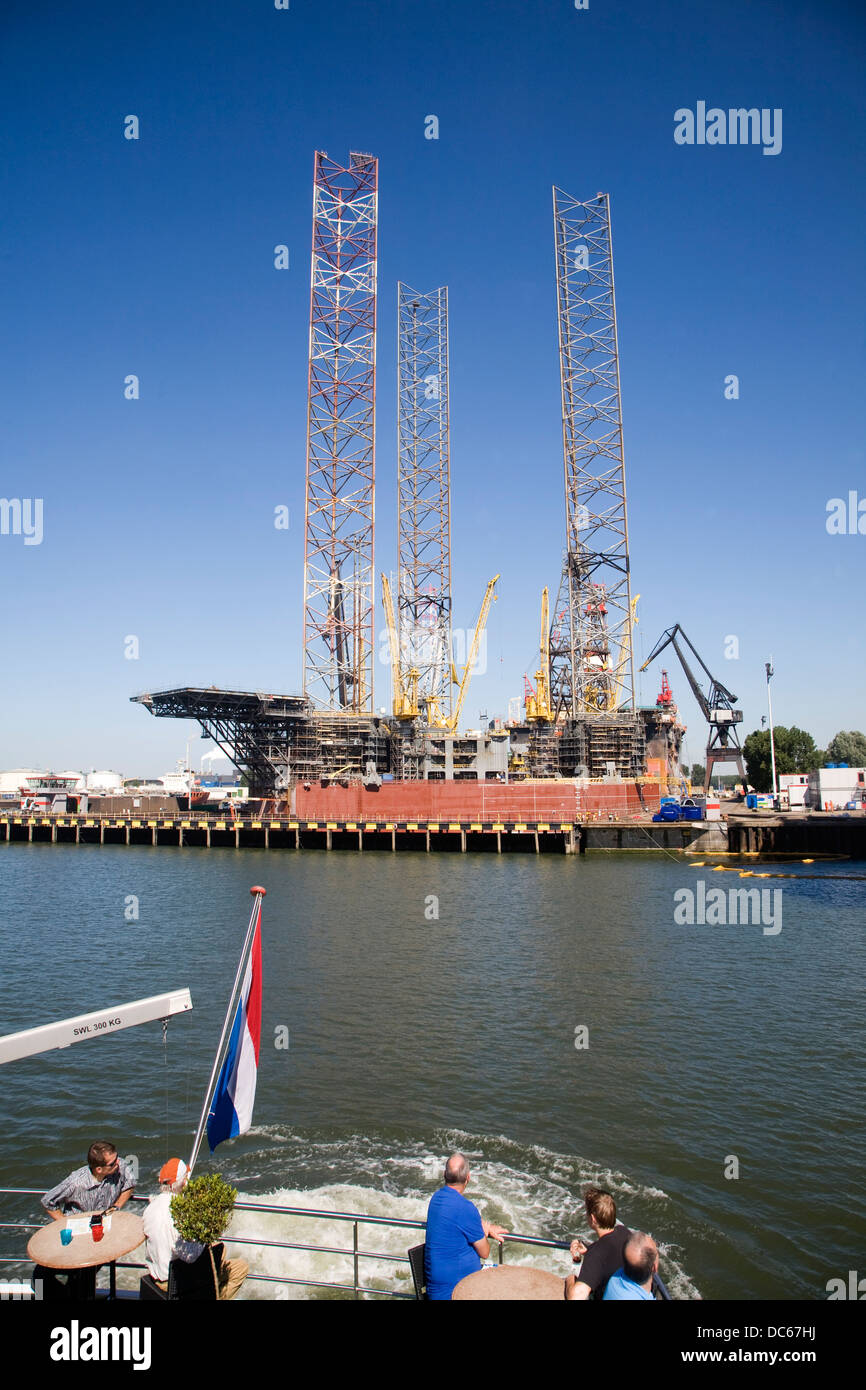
(457, 1238)
(634, 1282)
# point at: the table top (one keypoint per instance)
(506, 1283)
(45, 1247)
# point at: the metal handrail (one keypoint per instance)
(356, 1252)
(316, 1214)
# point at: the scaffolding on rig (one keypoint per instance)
(341, 415)
(342, 747)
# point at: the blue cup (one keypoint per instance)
(65, 1237)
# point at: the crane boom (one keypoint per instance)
(473, 653)
(97, 1024)
(537, 701)
(719, 699)
(543, 674)
(717, 707)
(405, 700)
(669, 638)
(624, 652)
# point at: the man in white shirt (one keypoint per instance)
(163, 1242)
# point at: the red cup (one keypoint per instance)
(97, 1232)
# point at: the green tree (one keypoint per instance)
(698, 773)
(848, 748)
(795, 752)
(202, 1211)
(204, 1208)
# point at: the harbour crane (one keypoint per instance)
(538, 701)
(407, 702)
(463, 681)
(723, 745)
(624, 655)
(405, 687)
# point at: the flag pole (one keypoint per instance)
(258, 893)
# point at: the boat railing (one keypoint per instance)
(356, 1252)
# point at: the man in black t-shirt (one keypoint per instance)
(603, 1257)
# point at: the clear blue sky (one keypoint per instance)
(155, 257)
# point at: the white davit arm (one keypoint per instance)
(94, 1025)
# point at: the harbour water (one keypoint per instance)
(549, 1016)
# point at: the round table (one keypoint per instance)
(83, 1252)
(509, 1283)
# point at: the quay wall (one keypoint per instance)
(796, 833)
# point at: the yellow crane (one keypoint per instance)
(538, 705)
(406, 697)
(623, 653)
(405, 690)
(463, 681)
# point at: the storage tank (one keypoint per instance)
(105, 781)
(12, 781)
(80, 783)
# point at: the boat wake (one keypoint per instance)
(526, 1188)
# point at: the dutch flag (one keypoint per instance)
(231, 1109)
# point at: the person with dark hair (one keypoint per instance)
(104, 1183)
(603, 1257)
(457, 1237)
(634, 1282)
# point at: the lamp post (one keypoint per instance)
(769, 670)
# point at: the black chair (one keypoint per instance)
(419, 1277)
(195, 1281)
(149, 1290)
(187, 1282)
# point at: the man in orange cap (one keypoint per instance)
(163, 1242)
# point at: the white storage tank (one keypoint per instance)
(80, 783)
(12, 781)
(106, 781)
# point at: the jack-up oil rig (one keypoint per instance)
(580, 717)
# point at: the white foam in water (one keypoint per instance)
(499, 1196)
(319, 1265)
(526, 1188)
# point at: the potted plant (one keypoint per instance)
(202, 1212)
